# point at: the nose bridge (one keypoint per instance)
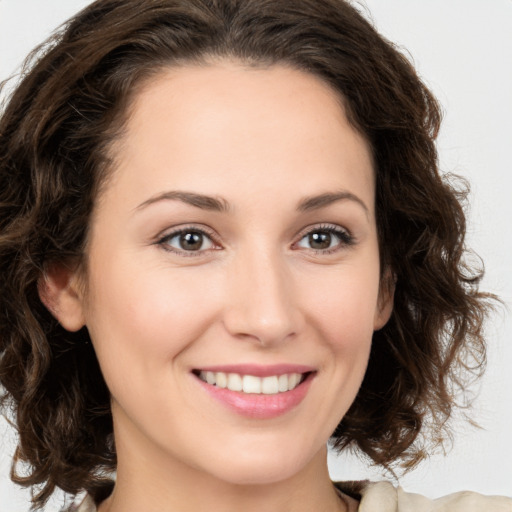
(261, 289)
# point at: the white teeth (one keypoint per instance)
(221, 380)
(282, 383)
(234, 382)
(293, 380)
(269, 385)
(250, 384)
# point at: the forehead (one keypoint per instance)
(226, 125)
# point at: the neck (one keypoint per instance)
(144, 485)
(157, 478)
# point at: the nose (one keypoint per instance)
(261, 305)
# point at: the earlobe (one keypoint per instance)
(59, 291)
(385, 301)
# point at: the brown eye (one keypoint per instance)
(187, 241)
(320, 240)
(192, 241)
(326, 239)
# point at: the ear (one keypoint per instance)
(385, 300)
(60, 292)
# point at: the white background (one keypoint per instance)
(463, 49)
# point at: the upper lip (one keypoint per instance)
(258, 370)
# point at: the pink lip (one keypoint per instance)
(259, 406)
(259, 370)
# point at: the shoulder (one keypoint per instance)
(84, 504)
(384, 497)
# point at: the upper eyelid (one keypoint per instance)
(165, 236)
(344, 235)
(171, 232)
(326, 226)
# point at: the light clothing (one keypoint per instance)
(384, 497)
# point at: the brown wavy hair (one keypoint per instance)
(55, 133)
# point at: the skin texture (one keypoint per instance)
(260, 141)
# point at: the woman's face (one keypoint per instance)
(235, 245)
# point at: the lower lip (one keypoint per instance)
(259, 406)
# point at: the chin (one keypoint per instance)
(260, 467)
(263, 475)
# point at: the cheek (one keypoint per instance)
(145, 318)
(343, 306)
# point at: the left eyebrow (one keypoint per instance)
(323, 200)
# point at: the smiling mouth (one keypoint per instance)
(251, 384)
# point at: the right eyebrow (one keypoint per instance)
(201, 201)
(323, 200)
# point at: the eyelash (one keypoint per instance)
(344, 237)
(164, 241)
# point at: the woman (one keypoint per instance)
(225, 241)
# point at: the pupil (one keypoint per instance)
(320, 240)
(191, 241)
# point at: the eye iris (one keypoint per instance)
(320, 240)
(191, 241)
